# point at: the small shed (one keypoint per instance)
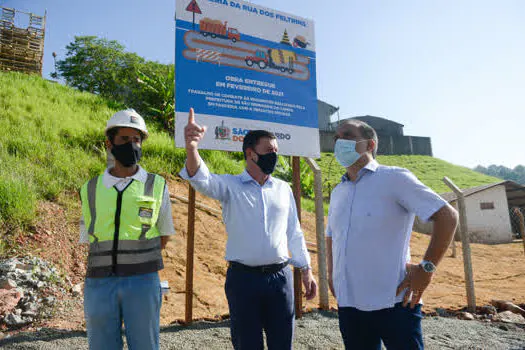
(490, 210)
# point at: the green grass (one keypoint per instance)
(53, 141)
(309, 205)
(432, 170)
(428, 169)
(17, 202)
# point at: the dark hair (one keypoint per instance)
(111, 133)
(251, 139)
(365, 130)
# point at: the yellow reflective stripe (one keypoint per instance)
(99, 206)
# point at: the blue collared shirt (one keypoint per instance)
(261, 221)
(370, 222)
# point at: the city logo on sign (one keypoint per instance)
(222, 132)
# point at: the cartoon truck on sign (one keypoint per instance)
(282, 60)
(300, 41)
(215, 28)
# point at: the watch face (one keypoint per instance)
(428, 267)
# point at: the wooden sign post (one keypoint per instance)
(296, 182)
(190, 246)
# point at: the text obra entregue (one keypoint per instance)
(231, 80)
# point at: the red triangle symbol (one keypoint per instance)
(194, 7)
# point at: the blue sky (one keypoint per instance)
(452, 70)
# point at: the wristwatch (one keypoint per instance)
(427, 266)
(305, 268)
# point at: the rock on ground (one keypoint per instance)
(316, 330)
(509, 317)
(27, 286)
(8, 300)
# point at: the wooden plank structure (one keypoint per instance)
(21, 49)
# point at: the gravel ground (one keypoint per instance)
(317, 330)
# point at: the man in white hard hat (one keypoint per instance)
(127, 220)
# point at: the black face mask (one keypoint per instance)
(267, 162)
(127, 154)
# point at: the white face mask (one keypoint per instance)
(345, 152)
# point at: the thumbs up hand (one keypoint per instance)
(193, 132)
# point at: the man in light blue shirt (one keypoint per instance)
(370, 222)
(261, 220)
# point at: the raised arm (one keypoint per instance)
(193, 133)
(196, 171)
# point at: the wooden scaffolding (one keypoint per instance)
(21, 49)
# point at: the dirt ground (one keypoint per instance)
(499, 270)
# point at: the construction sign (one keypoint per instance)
(245, 67)
(194, 7)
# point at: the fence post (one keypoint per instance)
(454, 252)
(465, 242)
(189, 255)
(296, 180)
(319, 229)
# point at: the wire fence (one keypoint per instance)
(516, 220)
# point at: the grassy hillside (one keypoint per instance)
(428, 169)
(52, 141)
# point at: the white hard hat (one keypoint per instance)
(127, 118)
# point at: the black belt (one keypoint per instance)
(260, 269)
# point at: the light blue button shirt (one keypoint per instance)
(370, 222)
(261, 221)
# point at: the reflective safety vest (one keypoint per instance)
(123, 236)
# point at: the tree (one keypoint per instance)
(517, 174)
(103, 67)
(99, 66)
(284, 171)
(520, 174)
(162, 86)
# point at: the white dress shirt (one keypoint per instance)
(261, 221)
(165, 220)
(370, 222)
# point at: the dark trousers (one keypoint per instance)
(258, 302)
(398, 327)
